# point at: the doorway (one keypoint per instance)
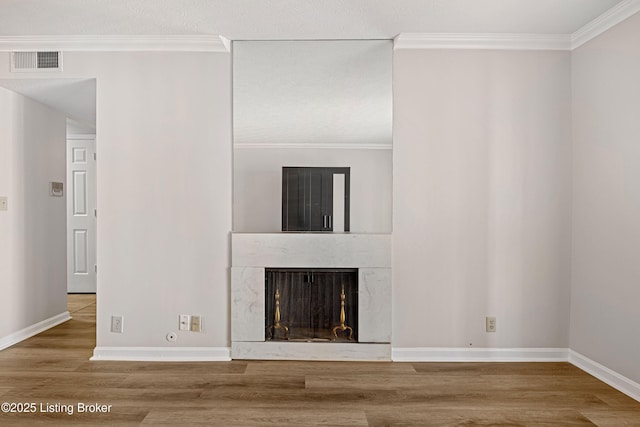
(75, 98)
(81, 213)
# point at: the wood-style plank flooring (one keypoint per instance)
(54, 368)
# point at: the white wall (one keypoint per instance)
(482, 198)
(164, 192)
(482, 207)
(257, 194)
(32, 230)
(605, 295)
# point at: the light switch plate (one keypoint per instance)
(4, 204)
(196, 323)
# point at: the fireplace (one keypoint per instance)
(311, 305)
(287, 296)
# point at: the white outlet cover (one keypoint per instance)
(490, 324)
(184, 322)
(116, 324)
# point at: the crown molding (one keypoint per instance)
(208, 43)
(602, 23)
(483, 41)
(214, 43)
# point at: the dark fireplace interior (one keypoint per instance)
(311, 304)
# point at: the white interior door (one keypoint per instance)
(81, 215)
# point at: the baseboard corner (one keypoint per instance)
(606, 375)
(34, 329)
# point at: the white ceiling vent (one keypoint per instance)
(36, 61)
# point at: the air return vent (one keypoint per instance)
(36, 61)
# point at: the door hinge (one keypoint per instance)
(95, 157)
(95, 267)
(95, 213)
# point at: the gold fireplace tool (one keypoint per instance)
(343, 318)
(276, 319)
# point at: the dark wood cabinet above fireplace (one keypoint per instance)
(308, 198)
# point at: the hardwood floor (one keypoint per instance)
(53, 368)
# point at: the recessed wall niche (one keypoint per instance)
(312, 104)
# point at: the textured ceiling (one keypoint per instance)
(272, 20)
(295, 19)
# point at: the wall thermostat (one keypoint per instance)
(56, 189)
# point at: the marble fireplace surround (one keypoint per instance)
(252, 253)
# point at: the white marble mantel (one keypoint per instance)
(304, 250)
(252, 253)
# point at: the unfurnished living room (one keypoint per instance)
(345, 213)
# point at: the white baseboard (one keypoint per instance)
(160, 354)
(606, 375)
(460, 354)
(34, 329)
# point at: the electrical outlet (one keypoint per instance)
(490, 324)
(116, 324)
(4, 204)
(184, 323)
(196, 323)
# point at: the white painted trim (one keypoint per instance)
(215, 43)
(599, 25)
(455, 354)
(322, 351)
(163, 354)
(482, 41)
(34, 329)
(606, 375)
(226, 42)
(81, 136)
(602, 23)
(208, 43)
(250, 145)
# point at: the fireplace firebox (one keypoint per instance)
(311, 305)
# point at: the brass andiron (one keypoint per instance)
(276, 319)
(343, 318)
